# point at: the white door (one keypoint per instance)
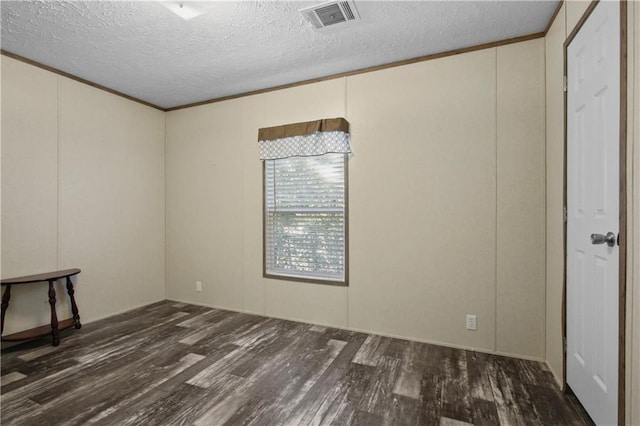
(593, 123)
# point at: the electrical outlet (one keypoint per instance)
(198, 285)
(472, 322)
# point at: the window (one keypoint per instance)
(305, 217)
(305, 208)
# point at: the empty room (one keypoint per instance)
(310, 213)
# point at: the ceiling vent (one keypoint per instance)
(331, 15)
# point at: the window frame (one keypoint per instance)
(311, 280)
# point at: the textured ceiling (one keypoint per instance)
(144, 50)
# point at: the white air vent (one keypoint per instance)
(331, 15)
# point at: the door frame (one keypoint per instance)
(622, 232)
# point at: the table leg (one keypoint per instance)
(5, 304)
(74, 307)
(55, 333)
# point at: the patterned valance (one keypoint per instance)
(306, 139)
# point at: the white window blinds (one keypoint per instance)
(305, 217)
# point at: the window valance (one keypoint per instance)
(306, 139)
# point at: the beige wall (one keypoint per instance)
(446, 199)
(29, 186)
(575, 9)
(435, 201)
(521, 199)
(554, 60)
(82, 186)
(423, 200)
(214, 201)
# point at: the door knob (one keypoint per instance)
(610, 239)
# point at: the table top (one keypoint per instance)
(47, 276)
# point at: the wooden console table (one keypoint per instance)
(55, 327)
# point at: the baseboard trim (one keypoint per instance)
(373, 332)
(555, 376)
(124, 311)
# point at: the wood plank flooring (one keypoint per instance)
(171, 363)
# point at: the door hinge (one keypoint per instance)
(565, 215)
(564, 83)
(564, 341)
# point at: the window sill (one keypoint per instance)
(309, 280)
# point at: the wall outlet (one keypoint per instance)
(198, 285)
(472, 322)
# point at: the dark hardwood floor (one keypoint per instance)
(171, 363)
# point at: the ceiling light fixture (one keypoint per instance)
(183, 10)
